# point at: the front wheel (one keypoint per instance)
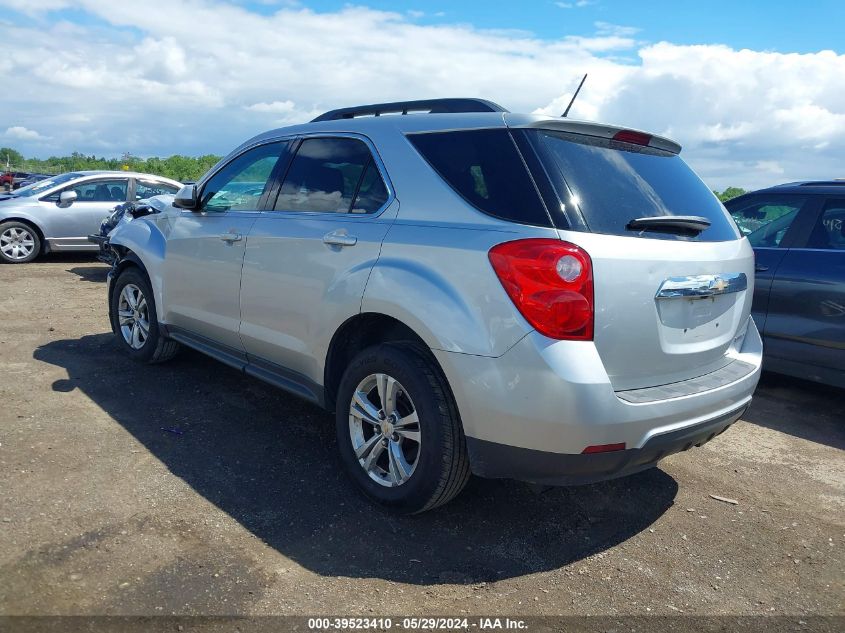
(398, 430)
(134, 320)
(19, 243)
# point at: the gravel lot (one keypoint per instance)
(240, 507)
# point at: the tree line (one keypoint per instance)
(178, 167)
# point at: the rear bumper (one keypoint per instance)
(509, 462)
(549, 400)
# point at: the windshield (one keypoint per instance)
(605, 184)
(41, 186)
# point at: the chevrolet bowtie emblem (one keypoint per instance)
(719, 284)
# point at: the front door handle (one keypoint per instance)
(338, 238)
(760, 269)
(231, 237)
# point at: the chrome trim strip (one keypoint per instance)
(694, 286)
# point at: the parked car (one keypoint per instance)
(33, 178)
(13, 179)
(798, 234)
(58, 214)
(539, 306)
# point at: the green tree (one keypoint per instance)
(178, 167)
(12, 156)
(730, 192)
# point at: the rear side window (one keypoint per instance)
(829, 231)
(332, 175)
(149, 188)
(485, 168)
(606, 184)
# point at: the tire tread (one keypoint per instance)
(456, 473)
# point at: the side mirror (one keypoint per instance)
(67, 198)
(186, 198)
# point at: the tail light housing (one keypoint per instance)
(551, 284)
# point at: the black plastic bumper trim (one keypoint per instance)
(500, 461)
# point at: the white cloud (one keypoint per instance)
(578, 4)
(606, 28)
(20, 133)
(136, 80)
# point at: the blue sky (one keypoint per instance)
(777, 25)
(754, 91)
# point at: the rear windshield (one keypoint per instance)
(604, 184)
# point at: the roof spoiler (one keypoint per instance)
(431, 106)
(610, 132)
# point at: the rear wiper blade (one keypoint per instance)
(694, 224)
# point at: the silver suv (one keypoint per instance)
(469, 290)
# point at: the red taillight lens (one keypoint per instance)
(551, 284)
(603, 448)
(629, 136)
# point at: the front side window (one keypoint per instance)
(101, 190)
(240, 185)
(764, 220)
(149, 188)
(332, 175)
(829, 231)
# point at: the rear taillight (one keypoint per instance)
(551, 284)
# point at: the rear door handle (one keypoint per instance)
(338, 238)
(760, 269)
(231, 237)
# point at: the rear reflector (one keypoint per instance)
(603, 448)
(629, 136)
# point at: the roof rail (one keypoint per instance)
(839, 182)
(431, 106)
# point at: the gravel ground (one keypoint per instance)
(188, 488)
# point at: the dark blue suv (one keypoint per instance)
(798, 234)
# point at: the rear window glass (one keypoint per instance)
(484, 167)
(608, 184)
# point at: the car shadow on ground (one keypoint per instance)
(269, 460)
(800, 408)
(94, 274)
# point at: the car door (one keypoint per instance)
(309, 256)
(69, 225)
(768, 221)
(806, 316)
(205, 250)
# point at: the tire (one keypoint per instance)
(438, 461)
(19, 243)
(145, 345)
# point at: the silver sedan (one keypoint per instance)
(58, 214)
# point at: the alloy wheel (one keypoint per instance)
(133, 316)
(385, 430)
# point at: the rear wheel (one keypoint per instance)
(398, 430)
(134, 320)
(19, 243)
